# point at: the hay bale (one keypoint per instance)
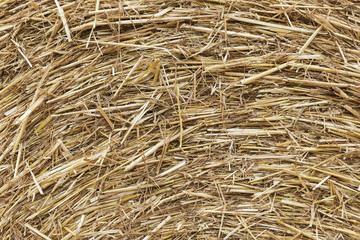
(179, 119)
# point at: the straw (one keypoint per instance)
(179, 119)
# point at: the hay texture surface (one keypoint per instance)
(206, 119)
